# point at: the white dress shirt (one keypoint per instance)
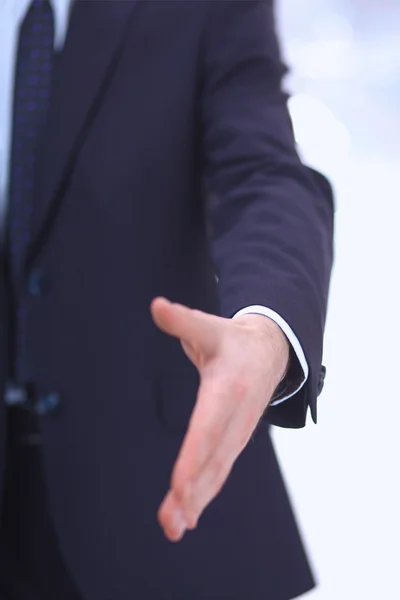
(12, 13)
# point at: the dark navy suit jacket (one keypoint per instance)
(168, 158)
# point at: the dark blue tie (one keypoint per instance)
(31, 101)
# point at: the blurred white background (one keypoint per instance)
(344, 473)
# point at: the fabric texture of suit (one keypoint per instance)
(168, 158)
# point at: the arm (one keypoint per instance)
(271, 218)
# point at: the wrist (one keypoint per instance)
(272, 335)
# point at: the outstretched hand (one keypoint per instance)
(240, 362)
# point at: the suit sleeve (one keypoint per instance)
(270, 218)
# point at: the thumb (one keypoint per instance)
(192, 326)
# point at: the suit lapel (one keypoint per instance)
(95, 35)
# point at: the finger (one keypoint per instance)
(171, 518)
(214, 441)
(208, 421)
(208, 427)
(214, 473)
(193, 326)
(191, 457)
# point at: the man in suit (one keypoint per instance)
(164, 276)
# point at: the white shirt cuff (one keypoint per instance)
(271, 314)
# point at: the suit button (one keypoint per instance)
(321, 380)
(15, 394)
(47, 404)
(36, 283)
